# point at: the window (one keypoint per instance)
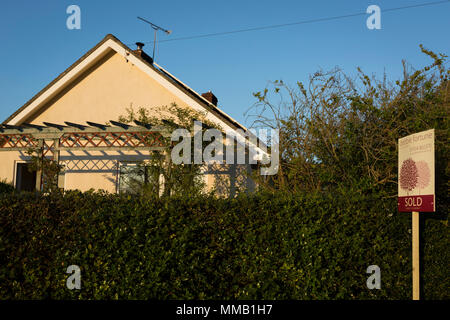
(137, 178)
(25, 179)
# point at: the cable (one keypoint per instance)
(297, 23)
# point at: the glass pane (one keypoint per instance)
(131, 178)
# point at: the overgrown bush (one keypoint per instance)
(264, 246)
(6, 187)
(337, 133)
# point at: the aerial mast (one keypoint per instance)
(156, 28)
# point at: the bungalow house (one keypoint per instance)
(98, 88)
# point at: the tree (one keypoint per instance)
(341, 134)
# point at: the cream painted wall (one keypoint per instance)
(104, 92)
(8, 161)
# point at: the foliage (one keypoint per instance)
(6, 187)
(178, 179)
(49, 168)
(263, 246)
(311, 233)
(337, 134)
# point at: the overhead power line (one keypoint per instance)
(208, 35)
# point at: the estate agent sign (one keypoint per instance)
(416, 172)
(416, 188)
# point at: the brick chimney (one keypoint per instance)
(210, 97)
(140, 52)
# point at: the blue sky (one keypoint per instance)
(36, 45)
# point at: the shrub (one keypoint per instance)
(6, 187)
(263, 246)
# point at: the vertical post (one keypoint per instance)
(415, 256)
(55, 152)
(39, 170)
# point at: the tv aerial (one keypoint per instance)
(156, 28)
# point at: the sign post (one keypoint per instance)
(415, 256)
(416, 188)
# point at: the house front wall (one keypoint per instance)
(100, 94)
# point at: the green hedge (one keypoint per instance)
(6, 187)
(253, 247)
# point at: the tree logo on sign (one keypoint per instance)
(414, 175)
(408, 175)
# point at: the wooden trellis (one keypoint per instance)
(50, 139)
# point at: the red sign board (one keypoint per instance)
(416, 203)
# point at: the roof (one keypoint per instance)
(149, 63)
